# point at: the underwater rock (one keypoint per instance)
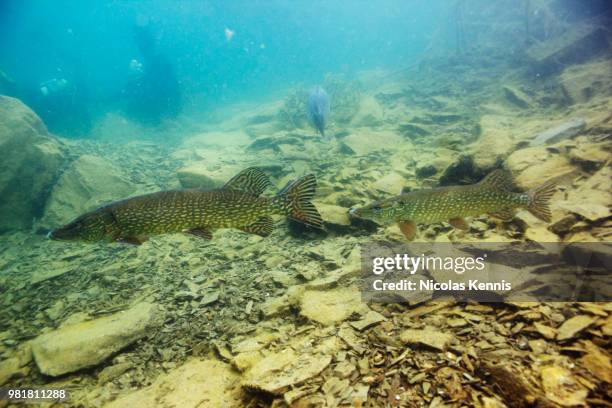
(197, 383)
(111, 372)
(427, 337)
(592, 200)
(517, 97)
(562, 387)
(370, 319)
(391, 183)
(213, 140)
(30, 160)
(571, 327)
(576, 45)
(589, 156)
(412, 131)
(331, 306)
(362, 142)
(71, 348)
(370, 113)
(586, 81)
(88, 183)
(495, 142)
(566, 130)
(16, 365)
(280, 305)
(532, 166)
(462, 171)
(277, 372)
(333, 214)
(597, 362)
(425, 171)
(197, 175)
(272, 142)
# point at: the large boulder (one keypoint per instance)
(495, 142)
(30, 160)
(370, 113)
(88, 183)
(198, 175)
(587, 81)
(86, 344)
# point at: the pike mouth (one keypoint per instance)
(59, 235)
(52, 234)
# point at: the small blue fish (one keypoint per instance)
(318, 108)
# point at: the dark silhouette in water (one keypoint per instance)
(61, 102)
(154, 93)
(318, 108)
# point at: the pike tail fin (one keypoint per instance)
(297, 197)
(539, 199)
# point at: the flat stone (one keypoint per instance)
(89, 343)
(333, 214)
(584, 82)
(331, 306)
(89, 182)
(571, 327)
(209, 298)
(427, 337)
(517, 97)
(534, 165)
(366, 142)
(592, 199)
(198, 176)
(370, 112)
(195, 384)
(566, 130)
(16, 366)
(370, 319)
(277, 372)
(580, 43)
(111, 372)
(562, 387)
(391, 183)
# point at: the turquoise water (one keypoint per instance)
(276, 44)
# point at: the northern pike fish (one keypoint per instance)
(237, 204)
(493, 195)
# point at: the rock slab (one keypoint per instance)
(89, 182)
(207, 383)
(87, 344)
(30, 160)
(565, 130)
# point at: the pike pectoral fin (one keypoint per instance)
(203, 233)
(459, 223)
(262, 227)
(408, 228)
(135, 240)
(505, 214)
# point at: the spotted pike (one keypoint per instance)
(237, 204)
(493, 195)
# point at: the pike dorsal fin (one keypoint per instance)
(251, 180)
(499, 180)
